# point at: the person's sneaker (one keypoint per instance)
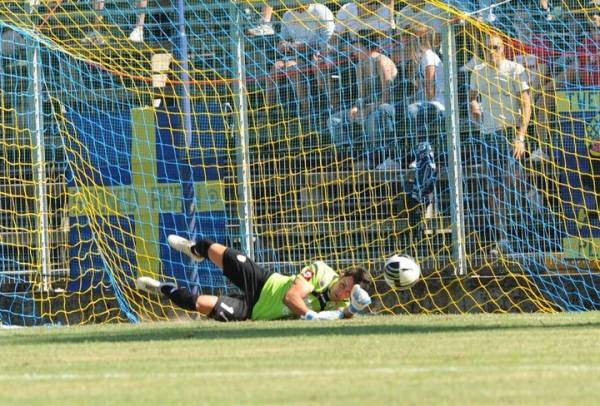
(94, 38)
(147, 284)
(553, 13)
(430, 212)
(499, 248)
(535, 199)
(389, 164)
(261, 30)
(488, 15)
(471, 64)
(184, 246)
(137, 35)
(538, 155)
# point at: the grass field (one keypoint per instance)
(471, 359)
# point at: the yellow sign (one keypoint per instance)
(577, 101)
(584, 248)
(592, 135)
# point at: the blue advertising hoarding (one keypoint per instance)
(575, 150)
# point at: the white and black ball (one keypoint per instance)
(401, 271)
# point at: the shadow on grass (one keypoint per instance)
(246, 330)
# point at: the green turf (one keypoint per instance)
(471, 359)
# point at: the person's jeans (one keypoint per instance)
(376, 127)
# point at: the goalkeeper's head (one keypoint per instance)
(342, 288)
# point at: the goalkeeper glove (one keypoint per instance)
(325, 315)
(310, 315)
(359, 299)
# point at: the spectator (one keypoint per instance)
(550, 13)
(95, 36)
(419, 17)
(428, 109)
(533, 51)
(12, 52)
(265, 27)
(305, 35)
(373, 111)
(429, 104)
(501, 104)
(585, 71)
(416, 19)
(374, 15)
(351, 18)
(482, 9)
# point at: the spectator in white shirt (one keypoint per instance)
(418, 17)
(505, 104)
(373, 111)
(430, 84)
(305, 34)
(534, 51)
(501, 104)
(373, 15)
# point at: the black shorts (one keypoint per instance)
(249, 278)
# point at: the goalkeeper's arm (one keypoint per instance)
(294, 298)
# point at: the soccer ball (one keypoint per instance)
(401, 271)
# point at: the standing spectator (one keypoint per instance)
(533, 50)
(582, 67)
(12, 51)
(305, 34)
(550, 13)
(484, 9)
(427, 112)
(501, 104)
(414, 20)
(584, 71)
(589, 54)
(95, 35)
(375, 73)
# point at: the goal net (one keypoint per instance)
(463, 133)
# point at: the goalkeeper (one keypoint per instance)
(317, 293)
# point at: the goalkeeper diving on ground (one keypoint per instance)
(316, 293)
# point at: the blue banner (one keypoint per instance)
(133, 181)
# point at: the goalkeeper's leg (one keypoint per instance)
(198, 250)
(242, 271)
(222, 308)
(182, 297)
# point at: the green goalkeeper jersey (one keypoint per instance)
(318, 275)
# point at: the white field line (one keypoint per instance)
(33, 377)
